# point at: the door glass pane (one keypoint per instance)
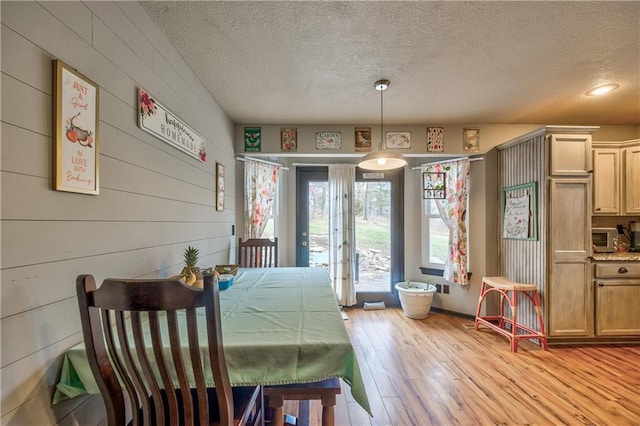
(373, 236)
(318, 224)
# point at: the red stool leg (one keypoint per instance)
(514, 320)
(536, 304)
(480, 299)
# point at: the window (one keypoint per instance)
(435, 236)
(270, 227)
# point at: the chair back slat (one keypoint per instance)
(139, 322)
(258, 253)
(163, 368)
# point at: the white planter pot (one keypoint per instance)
(415, 298)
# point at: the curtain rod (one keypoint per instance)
(447, 161)
(313, 164)
(245, 159)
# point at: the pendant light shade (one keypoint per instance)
(382, 159)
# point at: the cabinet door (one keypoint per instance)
(632, 180)
(570, 155)
(617, 308)
(569, 289)
(606, 181)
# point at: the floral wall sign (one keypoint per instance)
(328, 140)
(288, 139)
(398, 140)
(75, 109)
(471, 139)
(219, 187)
(519, 217)
(435, 139)
(158, 121)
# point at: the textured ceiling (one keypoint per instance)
(449, 62)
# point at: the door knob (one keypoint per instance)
(304, 244)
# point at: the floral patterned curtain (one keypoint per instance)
(342, 248)
(260, 183)
(453, 210)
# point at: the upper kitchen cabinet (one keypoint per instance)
(616, 178)
(570, 154)
(632, 179)
(606, 181)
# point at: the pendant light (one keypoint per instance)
(382, 159)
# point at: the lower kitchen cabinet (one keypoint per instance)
(617, 307)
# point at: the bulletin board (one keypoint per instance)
(519, 214)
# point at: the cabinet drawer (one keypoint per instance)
(617, 270)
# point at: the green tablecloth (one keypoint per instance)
(280, 325)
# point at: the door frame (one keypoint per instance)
(396, 177)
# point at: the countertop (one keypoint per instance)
(616, 257)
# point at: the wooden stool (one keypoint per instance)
(325, 391)
(509, 290)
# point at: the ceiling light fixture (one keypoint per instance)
(382, 159)
(601, 90)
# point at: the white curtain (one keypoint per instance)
(342, 248)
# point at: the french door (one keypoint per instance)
(379, 212)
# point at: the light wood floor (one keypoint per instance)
(439, 371)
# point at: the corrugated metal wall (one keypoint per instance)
(525, 261)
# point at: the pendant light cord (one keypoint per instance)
(383, 144)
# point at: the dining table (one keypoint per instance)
(280, 326)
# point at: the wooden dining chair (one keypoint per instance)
(144, 335)
(258, 253)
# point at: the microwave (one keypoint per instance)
(604, 240)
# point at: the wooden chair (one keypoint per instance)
(125, 313)
(324, 390)
(258, 253)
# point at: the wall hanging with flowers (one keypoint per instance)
(158, 121)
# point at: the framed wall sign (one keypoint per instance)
(435, 139)
(76, 120)
(288, 139)
(160, 122)
(398, 140)
(519, 218)
(252, 139)
(471, 139)
(219, 187)
(328, 140)
(363, 139)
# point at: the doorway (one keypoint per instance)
(379, 225)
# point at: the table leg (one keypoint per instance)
(328, 414)
(275, 406)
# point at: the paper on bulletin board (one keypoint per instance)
(516, 217)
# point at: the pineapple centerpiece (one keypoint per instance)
(191, 274)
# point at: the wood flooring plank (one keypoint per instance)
(440, 371)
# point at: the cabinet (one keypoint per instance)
(616, 173)
(559, 159)
(570, 155)
(570, 297)
(606, 181)
(632, 180)
(617, 286)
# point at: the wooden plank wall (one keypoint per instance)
(521, 260)
(154, 200)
